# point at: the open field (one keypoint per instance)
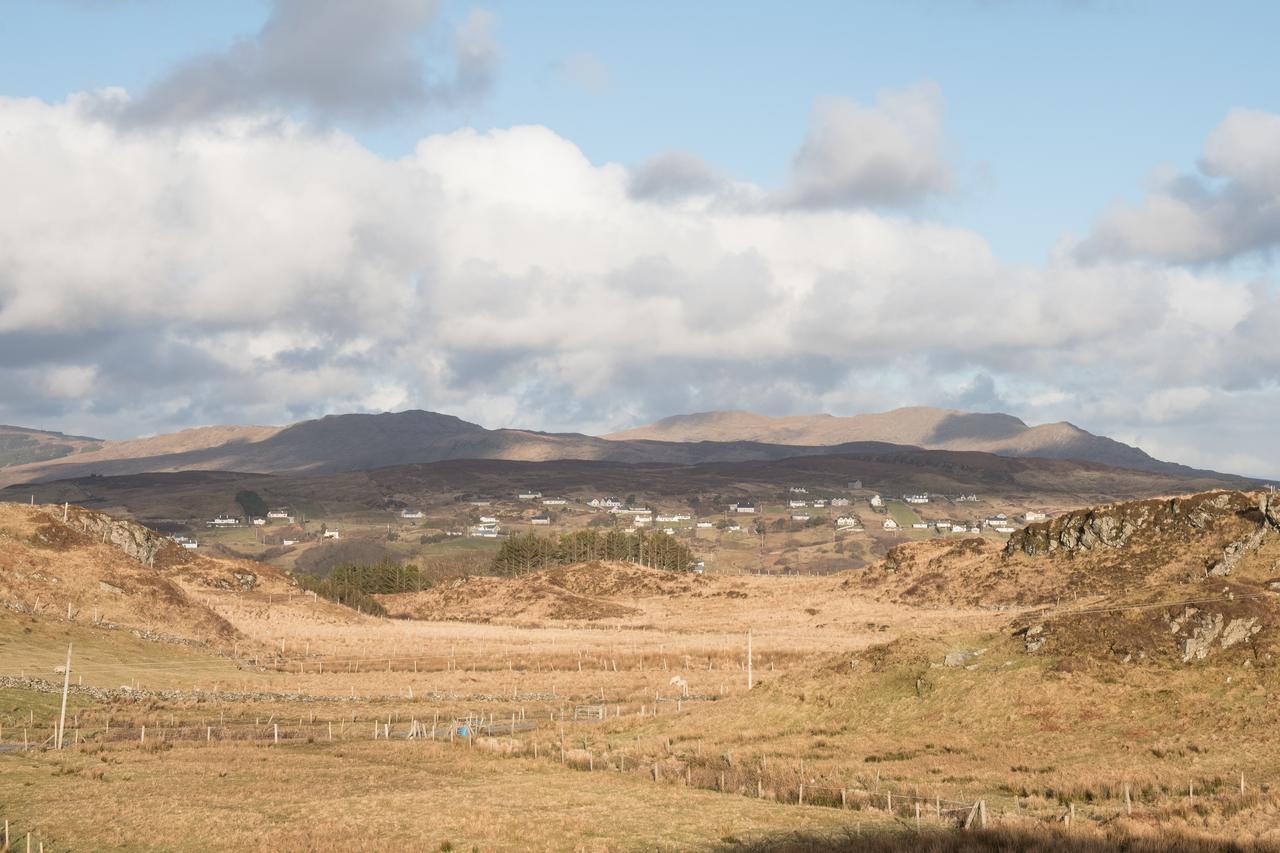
(606, 706)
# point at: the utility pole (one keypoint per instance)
(749, 679)
(66, 685)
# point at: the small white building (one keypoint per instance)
(799, 516)
(839, 501)
(277, 513)
(705, 525)
(488, 519)
(554, 501)
(529, 496)
(794, 504)
(540, 519)
(412, 513)
(287, 542)
(943, 525)
(1031, 515)
(1004, 529)
(799, 490)
(916, 499)
(481, 502)
(890, 524)
(848, 521)
(734, 528)
(332, 533)
(259, 522)
(819, 503)
(223, 521)
(877, 501)
(919, 525)
(743, 507)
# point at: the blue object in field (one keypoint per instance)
(462, 731)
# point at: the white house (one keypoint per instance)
(743, 506)
(605, 503)
(288, 541)
(848, 521)
(800, 516)
(488, 519)
(667, 518)
(223, 521)
(412, 513)
(890, 524)
(799, 490)
(943, 525)
(484, 531)
(795, 504)
(259, 522)
(554, 501)
(705, 525)
(540, 519)
(839, 501)
(1004, 529)
(277, 513)
(877, 501)
(1031, 515)
(734, 528)
(330, 533)
(481, 502)
(819, 504)
(670, 531)
(916, 499)
(641, 520)
(529, 496)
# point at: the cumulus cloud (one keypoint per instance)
(251, 270)
(1230, 207)
(330, 58)
(890, 153)
(673, 175)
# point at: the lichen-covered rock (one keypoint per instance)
(1115, 526)
(138, 542)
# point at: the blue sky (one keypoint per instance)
(585, 216)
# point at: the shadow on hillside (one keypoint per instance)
(1021, 839)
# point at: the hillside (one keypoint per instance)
(938, 429)
(359, 442)
(22, 446)
(108, 572)
(1053, 483)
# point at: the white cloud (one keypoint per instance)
(252, 270)
(332, 59)
(891, 153)
(1230, 208)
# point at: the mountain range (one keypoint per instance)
(358, 442)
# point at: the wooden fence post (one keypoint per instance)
(1128, 802)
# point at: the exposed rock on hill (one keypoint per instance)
(1113, 526)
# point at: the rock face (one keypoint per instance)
(1201, 631)
(140, 543)
(1114, 526)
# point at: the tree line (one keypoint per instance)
(354, 584)
(530, 552)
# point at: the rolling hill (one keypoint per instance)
(364, 442)
(921, 426)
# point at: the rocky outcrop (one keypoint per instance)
(1115, 526)
(138, 542)
(1236, 551)
(1203, 631)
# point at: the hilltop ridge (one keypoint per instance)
(921, 426)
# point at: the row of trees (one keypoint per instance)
(355, 584)
(530, 552)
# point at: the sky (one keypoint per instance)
(585, 216)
